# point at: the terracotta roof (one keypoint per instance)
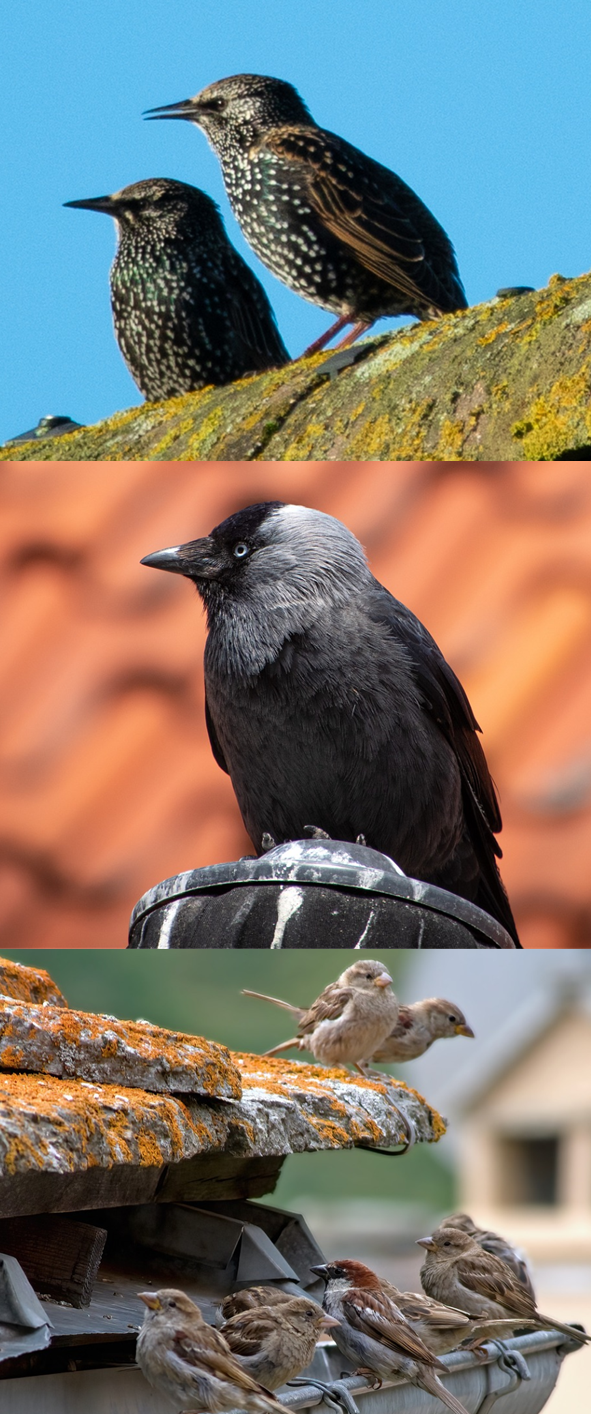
(108, 782)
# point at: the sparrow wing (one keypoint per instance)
(422, 1308)
(329, 1006)
(210, 1352)
(375, 1315)
(246, 1332)
(492, 1278)
(370, 210)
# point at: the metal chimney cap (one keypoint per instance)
(331, 864)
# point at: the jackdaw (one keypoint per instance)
(329, 704)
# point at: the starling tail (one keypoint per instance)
(187, 309)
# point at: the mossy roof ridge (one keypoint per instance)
(509, 380)
(63, 1126)
(28, 984)
(59, 1041)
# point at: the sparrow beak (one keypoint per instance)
(328, 1321)
(384, 980)
(320, 1271)
(150, 1299)
(425, 1242)
(464, 1030)
(187, 109)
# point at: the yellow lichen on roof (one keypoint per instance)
(58, 1041)
(28, 984)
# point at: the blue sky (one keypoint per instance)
(484, 109)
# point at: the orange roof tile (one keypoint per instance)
(108, 783)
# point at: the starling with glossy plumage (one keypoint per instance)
(332, 224)
(187, 309)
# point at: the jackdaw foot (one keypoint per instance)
(267, 843)
(361, 840)
(315, 833)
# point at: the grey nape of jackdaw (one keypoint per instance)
(329, 704)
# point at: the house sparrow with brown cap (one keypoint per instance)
(374, 1334)
(275, 1343)
(190, 1363)
(349, 1019)
(418, 1026)
(493, 1242)
(459, 1272)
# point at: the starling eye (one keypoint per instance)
(213, 105)
(240, 550)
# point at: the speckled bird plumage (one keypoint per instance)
(337, 227)
(187, 309)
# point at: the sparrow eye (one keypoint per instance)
(241, 550)
(452, 1018)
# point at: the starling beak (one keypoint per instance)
(185, 109)
(338, 228)
(187, 309)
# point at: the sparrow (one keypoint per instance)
(442, 1328)
(492, 1242)
(253, 1297)
(275, 1343)
(418, 1026)
(190, 1363)
(459, 1272)
(374, 1333)
(349, 1019)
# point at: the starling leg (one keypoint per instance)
(356, 332)
(326, 337)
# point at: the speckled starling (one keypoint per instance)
(187, 309)
(337, 227)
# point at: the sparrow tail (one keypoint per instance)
(285, 1046)
(295, 1010)
(430, 1381)
(570, 1331)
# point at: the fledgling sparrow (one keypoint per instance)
(459, 1272)
(373, 1332)
(493, 1242)
(349, 1019)
(418, 1026)
(275, 1343)
(191, 1364)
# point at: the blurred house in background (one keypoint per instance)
(107, 780)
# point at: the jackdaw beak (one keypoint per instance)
(187, 109)
(94, 203)
(425, 1242)
(464, 1030)
(197, 559)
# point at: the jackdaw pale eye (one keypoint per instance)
(329, 704)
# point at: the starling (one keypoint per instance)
(186, 307)
(337, 227)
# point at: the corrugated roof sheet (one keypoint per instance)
(108, 782)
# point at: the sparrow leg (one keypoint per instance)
(325, 338)
(356, 332)
(373, 1380)
(315, 833)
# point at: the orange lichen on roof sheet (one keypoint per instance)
(56, 1041)
(28, 984)
(107, 778)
